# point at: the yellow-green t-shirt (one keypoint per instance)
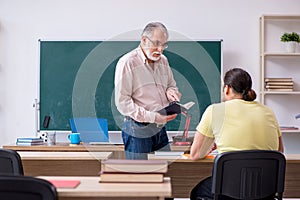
(240, 125)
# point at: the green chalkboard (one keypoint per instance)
(77, 79)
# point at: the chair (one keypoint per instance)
(25, 187)
(249, 174)
(10, 162)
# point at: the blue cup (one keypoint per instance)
(74, 138)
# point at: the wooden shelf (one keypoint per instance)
(280, 54)
(275, 92)
(281, 17)
(290, 131)
(275, 62)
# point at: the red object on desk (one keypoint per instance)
(210, 156)
(186, 130)
(65, 183)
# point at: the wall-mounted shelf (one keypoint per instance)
(290, 131)
(288, 93)
(275, 62)
(280, 54)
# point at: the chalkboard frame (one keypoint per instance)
(179, 53)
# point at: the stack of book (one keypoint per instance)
(133, 171)
(29, 141)
(279, 84)
(288, 128)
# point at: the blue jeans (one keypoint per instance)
(142, 138)
(202, 190)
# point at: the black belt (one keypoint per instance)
(142, 123)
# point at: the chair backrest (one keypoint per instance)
(25, 187)
(10, 162)
(249, 174)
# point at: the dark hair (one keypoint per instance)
(148, 30)
(240, 81)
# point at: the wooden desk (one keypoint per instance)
(118, 150)
(62, 163)
(184, 173)
(67, 147)
(292, 176)
(90, 189)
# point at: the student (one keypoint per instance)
(239, 123)
(144, 84)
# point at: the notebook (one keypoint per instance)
(90, 129)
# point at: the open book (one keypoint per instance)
(176, 108)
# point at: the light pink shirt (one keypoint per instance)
(139, 89)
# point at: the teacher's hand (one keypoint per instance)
(173, 95)
(163, 119)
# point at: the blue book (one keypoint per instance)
(29, 140)
(29, 143)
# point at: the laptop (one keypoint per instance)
(90, 129)
(114, 137)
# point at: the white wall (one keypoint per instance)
(22, 23)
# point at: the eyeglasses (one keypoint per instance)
(158, 43)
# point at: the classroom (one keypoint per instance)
(249, 33)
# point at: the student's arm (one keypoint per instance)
(280, 148)
(201, 146)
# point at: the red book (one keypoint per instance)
(65, 183)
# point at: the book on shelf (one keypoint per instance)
(176, 108)
(110, 177)
(281, 83)
(284, 128)
(134, 166)
(279, 86)
(280, 90)
(278, 79)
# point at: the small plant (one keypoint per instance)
(290, 37)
